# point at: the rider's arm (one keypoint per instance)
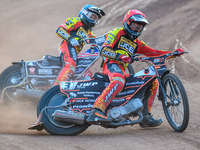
(64, 30)
(109, 53)
(111, 39)
(144, 49)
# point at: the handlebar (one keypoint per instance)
(139, 57)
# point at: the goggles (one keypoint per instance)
(136, 26)
(92, 16)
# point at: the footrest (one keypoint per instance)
(37, 127)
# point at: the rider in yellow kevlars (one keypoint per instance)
(120, 44)
(72, 32)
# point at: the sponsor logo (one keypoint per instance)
(126, 92)
(90, 100)
(127, 45)
(82, 106)
(106, 52)
(34, 81)
(32, 70)
(88, 95)
(110, 94)
(72, 94)
(45, 63)
(63, 34)
(89, 92)
(82, 33)
(135, 83)
(116, 68)
(85, 62)
(68, 85)
(83, 85)
(45, 71)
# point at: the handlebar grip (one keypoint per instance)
(177, 53)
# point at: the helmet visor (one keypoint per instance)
(92, 17)
(136, 26)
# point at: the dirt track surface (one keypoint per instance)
(27, 31)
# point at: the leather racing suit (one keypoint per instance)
(72, 28)
(117, 43)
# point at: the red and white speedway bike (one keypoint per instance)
(64, 108)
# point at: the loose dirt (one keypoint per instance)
(27, 31)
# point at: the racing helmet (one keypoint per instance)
(134, 22)
(91, 15)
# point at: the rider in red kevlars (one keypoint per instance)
(120, 44)
(72, 32)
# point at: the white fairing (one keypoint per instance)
(142, 72)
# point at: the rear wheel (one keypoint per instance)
(10, 77)
(54, 97)
(177, 106)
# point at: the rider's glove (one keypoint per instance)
(125, 59)
(74, 42)
(179, 50)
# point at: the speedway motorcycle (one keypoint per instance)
(64, 108)
(30, 79)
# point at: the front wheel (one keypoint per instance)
(54, 97)
(176, 107)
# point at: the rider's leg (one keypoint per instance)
(117, 82)
(147, 100)
(68, 56)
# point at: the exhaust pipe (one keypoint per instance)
(69, 117)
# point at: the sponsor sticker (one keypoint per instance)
(45, 71)
(82, 33)
(108, 53)
(32, 70)
(68, 85)
(127, 45)
(110, 94)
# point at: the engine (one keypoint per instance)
(119, 113)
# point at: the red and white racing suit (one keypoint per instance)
(117, 42)
(72, 28)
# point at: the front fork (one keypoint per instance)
(162, 95)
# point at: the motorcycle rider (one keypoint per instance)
(120, 44)
(72, 32)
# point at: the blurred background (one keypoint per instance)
(28, 32)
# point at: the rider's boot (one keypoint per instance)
(149, 121)
(97, 116)
(148, 98)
